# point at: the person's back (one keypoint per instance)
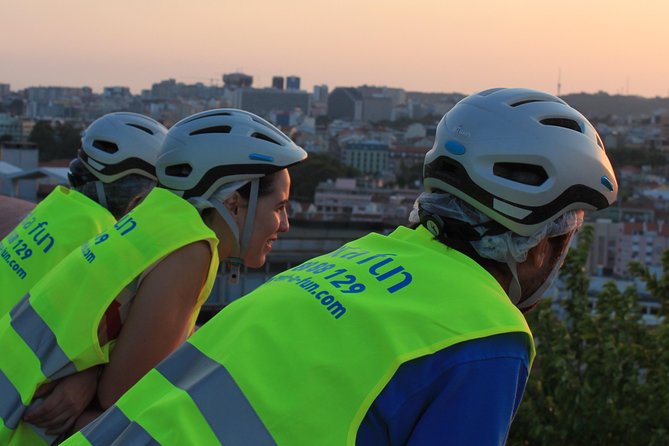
(412, 338)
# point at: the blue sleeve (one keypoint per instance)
(467, 394)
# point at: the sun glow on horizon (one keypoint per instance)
(425, 45)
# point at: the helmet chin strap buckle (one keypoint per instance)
(234, 266)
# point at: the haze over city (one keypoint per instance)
(422, 45)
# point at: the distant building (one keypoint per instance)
(602, 258)
(277, 82)
(11, 128)
(237, 80)
(345, 103)
(402, 157)
(25, 157)
(117, 92)
(5, 91)
(320, 93)
(377, 108)
(369, 104)
(57, 102)
(641, 242)
(266, 100)
(292, 83)
(663, 124)
(368, 157)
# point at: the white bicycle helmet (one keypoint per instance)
(522, 157)
(207, 156)
(207, 150)
(119, 144)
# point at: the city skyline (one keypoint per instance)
(425, 46)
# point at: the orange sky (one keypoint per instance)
(420, 45)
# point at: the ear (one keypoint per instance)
(539, 254)
(233, 202)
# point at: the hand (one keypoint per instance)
(66, 401)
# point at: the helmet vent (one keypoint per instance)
(563, 122)
(105, 146)
(140, 127)
(217, 129)
(179, 170)
(526, 101)
(530, 174)
(206, 115)
(264, 138)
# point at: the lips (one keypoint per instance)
(269, 243)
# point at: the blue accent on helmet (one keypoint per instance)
(607, 183)
(455, 147)
(260, 157)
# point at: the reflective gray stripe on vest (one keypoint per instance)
(40, 338)
(221, 402)
(12, 409)
(11, 406)
(114, 428)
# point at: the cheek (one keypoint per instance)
(266, 226)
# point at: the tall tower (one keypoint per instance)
(277, 82)
(292, 83)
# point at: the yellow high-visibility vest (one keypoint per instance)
(300, 360)
(61, 222)
(52, 332)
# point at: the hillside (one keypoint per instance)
(603, 104)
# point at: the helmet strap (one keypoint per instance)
(102, 197)
(234, 262)
(250, 217)
(515, 291)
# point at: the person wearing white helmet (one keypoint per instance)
(223, 192)
(116, 162)
(415, 338)
(117, 154)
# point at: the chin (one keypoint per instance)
(255, 262)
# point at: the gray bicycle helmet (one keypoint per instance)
(523, 157)
(119, 144)
(205, 151)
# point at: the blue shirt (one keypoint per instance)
(467, 394)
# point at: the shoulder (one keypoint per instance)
(193, 256)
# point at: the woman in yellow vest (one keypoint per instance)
(413, 338)
(139, 285)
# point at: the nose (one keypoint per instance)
(284, 225)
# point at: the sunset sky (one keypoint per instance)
(419, 45)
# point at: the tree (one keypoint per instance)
(408, 175)
(43, 135)
(55, 142)
(318, 167)
(601, 376)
